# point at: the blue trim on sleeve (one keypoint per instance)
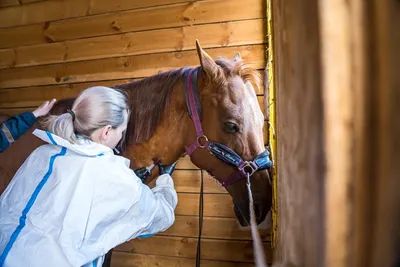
(28, 207)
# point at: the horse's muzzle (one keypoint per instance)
(242, 213)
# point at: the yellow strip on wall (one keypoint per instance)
(272, 123)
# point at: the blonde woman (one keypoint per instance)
(73, 200)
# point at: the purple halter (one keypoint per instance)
(227, 155)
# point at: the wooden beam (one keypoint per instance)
(383, 168)
(123, 259)
(120, 68)
(147, 42)
(240, 251)
(193, 13)
(300, 147)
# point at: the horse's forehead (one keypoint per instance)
(243, 101)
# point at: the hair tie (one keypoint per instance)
(72, 114)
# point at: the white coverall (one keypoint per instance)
(69, 204)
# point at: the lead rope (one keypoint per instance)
(257, 243)
(201, 210)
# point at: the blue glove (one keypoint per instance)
(166, 169)
(142, 173)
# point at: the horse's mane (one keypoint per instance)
(245, 72)
(147, 100)
(148, 97)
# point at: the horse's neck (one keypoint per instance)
(169, 139)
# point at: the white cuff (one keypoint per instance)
(165, 180)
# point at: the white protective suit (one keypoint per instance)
(69, 204)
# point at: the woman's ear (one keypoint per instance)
(105, 132)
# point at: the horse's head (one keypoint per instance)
(232, 117)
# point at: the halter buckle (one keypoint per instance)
(203, 137)
(248, 168)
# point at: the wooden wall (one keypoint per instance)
(337, 90)
(57, 48)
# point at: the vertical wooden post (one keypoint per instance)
(338, 106)
(271, 117)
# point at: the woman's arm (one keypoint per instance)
(124, 208)
(13, 128)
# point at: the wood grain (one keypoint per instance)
(46, 11)
(120, 68)
(240, 251)
(184, 14)
(215, 205)
(300, 155)
(123, 259)
(187, 226)
(33, 96)
(43, 11)
(138, 43)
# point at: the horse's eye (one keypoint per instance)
(231, 127)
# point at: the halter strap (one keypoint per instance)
(220, 151)
(193, 103)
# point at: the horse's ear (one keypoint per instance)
(237, 57)
(207, 63)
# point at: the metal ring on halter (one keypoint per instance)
(248, 168)
(198, 140)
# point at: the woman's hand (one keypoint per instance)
(44, 108)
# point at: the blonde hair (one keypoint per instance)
(93, 109)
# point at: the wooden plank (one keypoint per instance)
(35, 95)
(43, 11)
(33, 100)
(105, 6)
(7, 58)
(193, 13)
(156, 41)
(24, 35)
(31, 1)
(188, 181)
(14, 111)
(211, 249)
(31, 104)
(46, 11)
(123, 259)
(9, 3)
(120, 68)
(185, 163)
(224, 228)
(215, 205)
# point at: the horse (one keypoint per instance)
(218, 122)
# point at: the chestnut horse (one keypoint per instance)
(160, 126)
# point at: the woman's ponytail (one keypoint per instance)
(62, 125)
